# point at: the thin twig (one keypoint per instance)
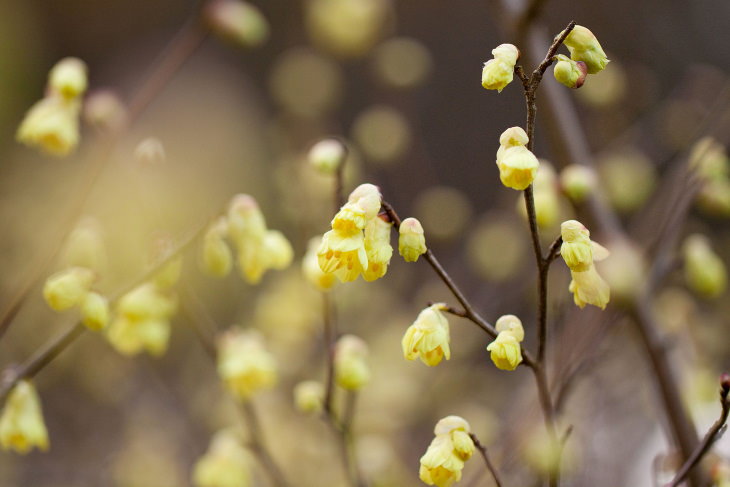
(715, 432)
(329, 338)
(490, 466)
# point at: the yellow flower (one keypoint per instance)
(512, 325)
(351, 368)
(512, 137)
(311, 269)
(217, 258)
(428, 337)
(411, 241)
(277, 250)
(21, 423)
(52, 125)
(68, 78)
(499, 71)
(505, 351)
(67, 288)
(377, 248)
(704, 270)
(85, 246)
(578, 181)
(517, 167)
(309, 396)
(95, 311)
(343, 254)
(245, 220)
(225, 464)
(589, 288)
(584, 46)
(578, 250)
(244, 365)
(570, 73)
(444, 459)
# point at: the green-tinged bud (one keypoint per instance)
(225, 464)
(624, 271)
(150, 152)
(570, 73)
(68, 78)
(52, 125)
(704, 270)
(628, 177)
(95, 311)
(499, 71)
(714, 197)
(217, 258)
(236, 21)
(309, 396)
(67, 288)
(21, 424)
(411, 240)
(104, 110)
(327, 155)
(578, 181)
(351, 368)
(584, 46)
(709, 159)
(546, 454)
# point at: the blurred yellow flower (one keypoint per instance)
(52, 125)
(351, 368)
(95, 311)
(244, 365)
(67, 288)
(21, 423)
(225, 464)
(309, 396)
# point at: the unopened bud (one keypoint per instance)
(237, 21)
(578, 181)
(570, 73)
(411, 241)
(327, 155)
(584, 46)
(68, 78)
(725, 383)
(704, 270)
(67, 288)
(95, 311)
(309, 396)
(499, 71)
(351, 368)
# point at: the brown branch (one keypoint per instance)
(490, 466)
(715, 432)
(329, 339)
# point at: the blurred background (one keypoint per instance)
(399, 82)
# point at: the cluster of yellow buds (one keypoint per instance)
(351, 368)
(411, 240)
(259, 249)
(428, 337)
(238, 22)
(499, 71)
(72, 287)
(309, 396)
(52, 124)
(517, 164)
(579, 252)
(586, 57)
(21, 423)
(225, 464)
(444, 459)
(704, 270)
(244, 364)
(505, 350)
(359, 242)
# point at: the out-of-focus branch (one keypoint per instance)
(490, 466)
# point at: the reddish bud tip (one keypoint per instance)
(725, 383)
(584, 73)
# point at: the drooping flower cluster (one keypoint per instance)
(21, 423)
(444, 459)
(428, 337)
(517, 164)
(244, 364)
(499, 71)
(505, 350)
(359, 242)
(259, 249)
(52, 124)
(579, 252)
(225, 464)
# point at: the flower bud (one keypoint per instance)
(351, 368)
(584, 46)
(67, 288)
(104, 110)
(309, 396)
(327, 155)
(52, 125)
(244, 365)
(245, 220)
(444, 459)
(237, 21)
(411, 241)
(21, 423)
(703, 269)
(517, 167)
(68, 78)
(505, 350)
(367, 196)
(512, 325)
(225, 464)
(499, 72)
(578, 181)
(85, 247)
(570, 73)
(95, 311)
(513, 136)
(277, 250)
(709, 159)
(428, 337)
(377, 248)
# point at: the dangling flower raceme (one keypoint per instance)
(704, 270)
(142, 320)
(517, 165)
(67, 288)
(225, 464)
(444, 459)
(428, 337)
(344, 249)
(505, 350)
(244, 364)
(584, 46)
(570, 73)
(411, 241)
(217, 258)
(579, 253)
(351, 368)
(21, 423)
(499, 71)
